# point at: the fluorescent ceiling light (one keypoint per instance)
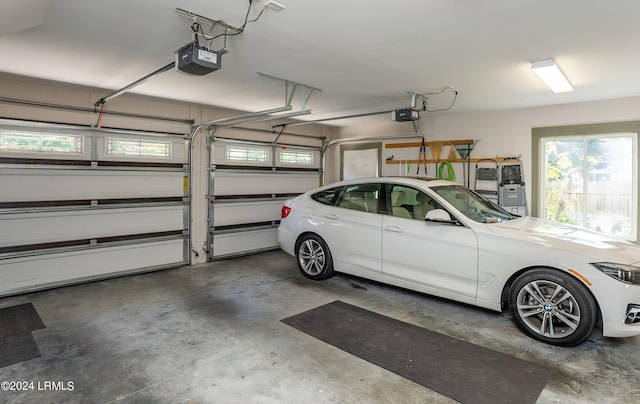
(274, 5)
(551, 75)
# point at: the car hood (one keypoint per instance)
(595, 246)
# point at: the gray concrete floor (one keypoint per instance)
(212, 334)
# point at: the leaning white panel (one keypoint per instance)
(18, 184)
(244, 242)
(42, 227)
(39, 272)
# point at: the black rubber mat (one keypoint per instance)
(18, 348)
(18, 320)
(460, 370)
(16, 341)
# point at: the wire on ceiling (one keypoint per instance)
(198, 31)
(425, 99)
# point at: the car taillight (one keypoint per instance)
(285, 212)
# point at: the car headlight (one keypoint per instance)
(624, 273)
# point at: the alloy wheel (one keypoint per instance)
(311, 257)
(548, 309)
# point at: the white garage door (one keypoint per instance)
(82, 204)
(249, 183)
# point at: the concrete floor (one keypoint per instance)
(212, 334)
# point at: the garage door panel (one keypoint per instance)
(262, 183)
(19, 185)
(239, 243)
(77, 203)
(44, 227)
(226, 214)
(248, 184)
(36, 272)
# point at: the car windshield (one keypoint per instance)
(472, 205)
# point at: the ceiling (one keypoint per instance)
(365, 56)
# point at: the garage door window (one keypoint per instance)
(11, 141)
(138, 148)
(591, 181)
(250, 154)
(296, 157)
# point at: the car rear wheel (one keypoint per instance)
(552, 307)
(314, 257)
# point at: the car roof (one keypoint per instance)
(420, 182)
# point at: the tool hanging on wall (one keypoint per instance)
(451, 174)
(436, 150)
(464, 150)
(422, 158)
(452, 154)
(459, 152)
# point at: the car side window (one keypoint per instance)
(362, 197)
(409, 202)
(327, 196)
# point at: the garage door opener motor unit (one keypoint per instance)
(193, 59)
(405, 115)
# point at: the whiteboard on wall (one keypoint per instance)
(360, 163)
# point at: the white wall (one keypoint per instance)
(499, 133)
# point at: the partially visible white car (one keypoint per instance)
(440, 238)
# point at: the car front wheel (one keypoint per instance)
(552, 307)
(314, 257)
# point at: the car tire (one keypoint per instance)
(314, 258)
(552, 307)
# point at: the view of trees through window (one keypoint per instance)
(296, 157)
(247, 154)
(138, 148)
(590, 181)
(39, 142)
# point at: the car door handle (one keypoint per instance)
(394, 229)
(330, 216)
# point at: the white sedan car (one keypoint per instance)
(440, 238)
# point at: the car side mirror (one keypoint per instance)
(439, 216)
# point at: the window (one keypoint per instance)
(472, 205)
(410, 203)
(591, 181)
(362, 197)
(247, 154)
(12, 141)
(138, 148)
(327, 197)
(296, 157)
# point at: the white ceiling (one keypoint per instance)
(364, 55)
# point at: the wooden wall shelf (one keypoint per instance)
(436, 149)
(440, 143)
(438, 161)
